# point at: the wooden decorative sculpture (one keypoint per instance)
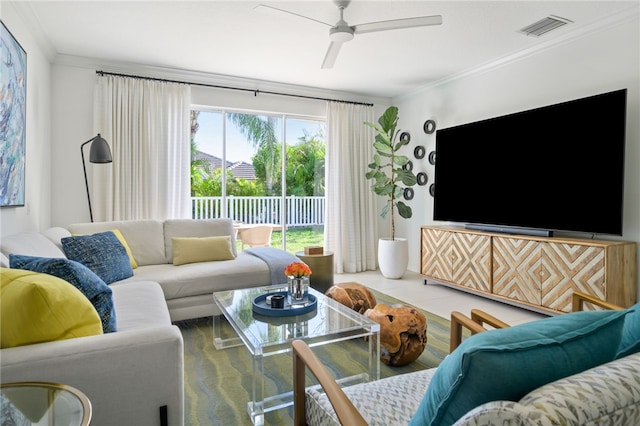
(403, 333)
(354, 295)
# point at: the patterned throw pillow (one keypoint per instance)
(103, 253)
(81, 277)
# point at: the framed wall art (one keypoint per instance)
(13, 112)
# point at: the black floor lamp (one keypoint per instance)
(99, 153)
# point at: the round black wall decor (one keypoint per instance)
(405, 136)
(408, 165)
(429, 126)
(419, 152)
(432, 157)
(422, 178)
(408, 193)
(432, 189)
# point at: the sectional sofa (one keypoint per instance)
(134, 376)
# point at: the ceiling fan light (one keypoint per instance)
(341, 35)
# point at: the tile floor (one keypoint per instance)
(438, 299)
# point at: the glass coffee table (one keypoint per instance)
(265, 336)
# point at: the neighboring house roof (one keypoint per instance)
(239, 169)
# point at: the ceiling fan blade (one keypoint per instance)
(263, 8)
(332, 54)
(395, 24)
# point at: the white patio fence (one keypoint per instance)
(300, 211)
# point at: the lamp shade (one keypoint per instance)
(100, 151)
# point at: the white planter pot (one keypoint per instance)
(393, 257)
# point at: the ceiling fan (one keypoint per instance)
(342, 32)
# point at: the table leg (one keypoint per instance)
(255, 407)
(374, 356)
(218, 342)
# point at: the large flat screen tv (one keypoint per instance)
(554, 168)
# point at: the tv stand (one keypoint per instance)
(536, 272)
(516, 230)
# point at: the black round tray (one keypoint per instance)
(260, 306)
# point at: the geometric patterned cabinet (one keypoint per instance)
(534, 272)
(457, 257)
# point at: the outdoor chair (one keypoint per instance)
(345, 410)
(256, 236)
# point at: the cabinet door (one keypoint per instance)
(516, 269)
(569, 267)
(471, 260)
(435, 262)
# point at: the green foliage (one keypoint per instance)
(386, 170)
(304, 167)
(210, 185)
(261, 132)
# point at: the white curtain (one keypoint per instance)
(350, 218)
(147, 125)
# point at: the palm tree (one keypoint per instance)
(198, 167)
(261, 132)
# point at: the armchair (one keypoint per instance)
(479, 321)
(256, 236)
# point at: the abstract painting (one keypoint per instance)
(13, 111)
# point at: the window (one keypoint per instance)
(238, 171)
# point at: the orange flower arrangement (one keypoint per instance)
(297, 270)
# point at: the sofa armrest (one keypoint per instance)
(127, 375)
(304, 358)
(578, 300)
(475, 325)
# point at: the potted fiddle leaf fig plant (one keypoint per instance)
(391, 176)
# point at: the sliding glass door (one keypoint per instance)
(239, 171)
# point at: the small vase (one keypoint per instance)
(298, 289)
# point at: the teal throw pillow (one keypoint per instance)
(630, 343)
(103, 253)
(508, 363)
(81, 277)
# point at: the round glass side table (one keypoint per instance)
(44, 403)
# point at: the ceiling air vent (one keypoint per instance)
(545, 25)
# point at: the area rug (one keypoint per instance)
(218, 383)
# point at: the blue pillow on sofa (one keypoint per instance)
(508, 363)
(103, 253)
(81, 277)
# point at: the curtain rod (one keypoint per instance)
(254, 91)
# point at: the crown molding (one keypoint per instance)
(615, 19)
(197, 77)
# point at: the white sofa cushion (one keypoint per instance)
(144, 237)
(30, 244)
(56, 234)
(139, 305)
(196, 228)
(195, 279)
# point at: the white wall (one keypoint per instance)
(36, 212)
(588, 64)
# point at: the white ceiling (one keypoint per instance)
(231, 38)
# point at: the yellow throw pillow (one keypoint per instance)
(192, 249)
(37, 308)
(120, 237)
